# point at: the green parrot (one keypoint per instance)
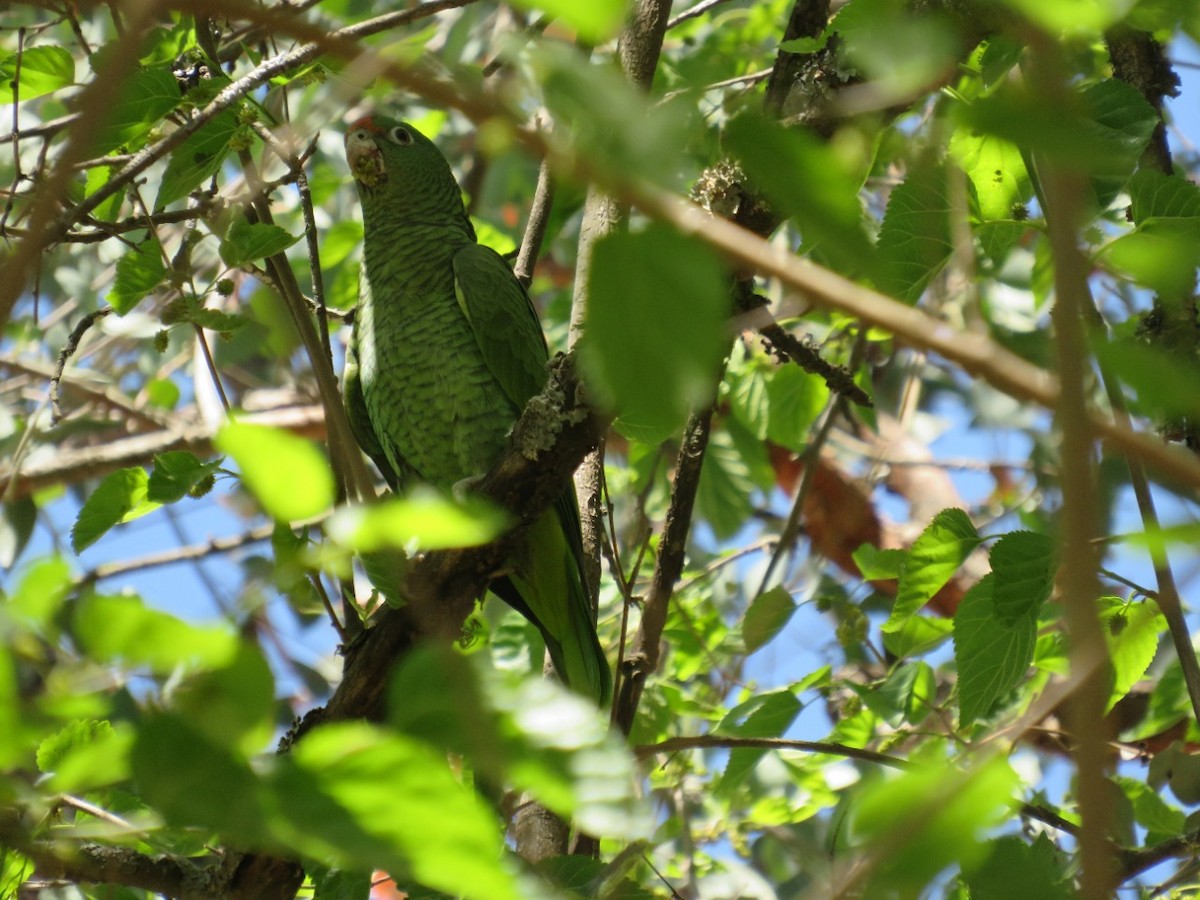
(446, 351)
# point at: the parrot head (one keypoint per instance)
(391, 161)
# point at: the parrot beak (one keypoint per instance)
(362, 153)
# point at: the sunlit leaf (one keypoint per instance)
(931, 817)
(40, 592)
(1075, 17)
(933, 558)
(120, 497)
(767, 715)
(422, 520)
(41, 70)
(122, 629)
(595, 21)
(1132, 631)
(362, 796)
(86, 755)
(992, 652)
(288, 474)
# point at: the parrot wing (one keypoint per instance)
(360, 421)
(549, 586)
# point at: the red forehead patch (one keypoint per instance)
(367, 122)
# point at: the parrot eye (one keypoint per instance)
(401, 136)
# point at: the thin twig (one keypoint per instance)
(535, 227)
(175, 555)
(693, 11)
(808, 461)
(64, 356)
(644, 654)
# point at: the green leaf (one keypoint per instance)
(1160, 819)
(338, 241)
(914, 239)
(933, 558)
(246, 241)
(359, 796)
(217, 320)
(193, 781)
(766, 616)
(139, 272)
(627, 132)
(1024, 563)
(1101, 133)
(767, 715)
(96, 178)
(1073, 17)
(596, 21)
(124, 630)
(42, 70)
(908, 694)
(197, 158)
(879, 565)
(1015, 868)
(86, 755)
(1166, 199)
(13, 750)
(656, 319)
(1132, 631)
(141, 102)
(40, 593)
(811, 182)
(804, 44)
(929, 818)
(1165, 382)
(996, 169)
(15, 871)
(289, 475)
(1163, 252)
(992, 653)
(735, 467)
(54, 749)
(17, 519)
(917, 636)
(232, 704)
(528, 732)
(776, 403)
(162, 393)
(177, 473)
(423, 520)
(901, 48)
(1163, 259)
(556, 740)
(121, 497)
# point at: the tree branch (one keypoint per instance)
(643, 656)
(69, 466)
